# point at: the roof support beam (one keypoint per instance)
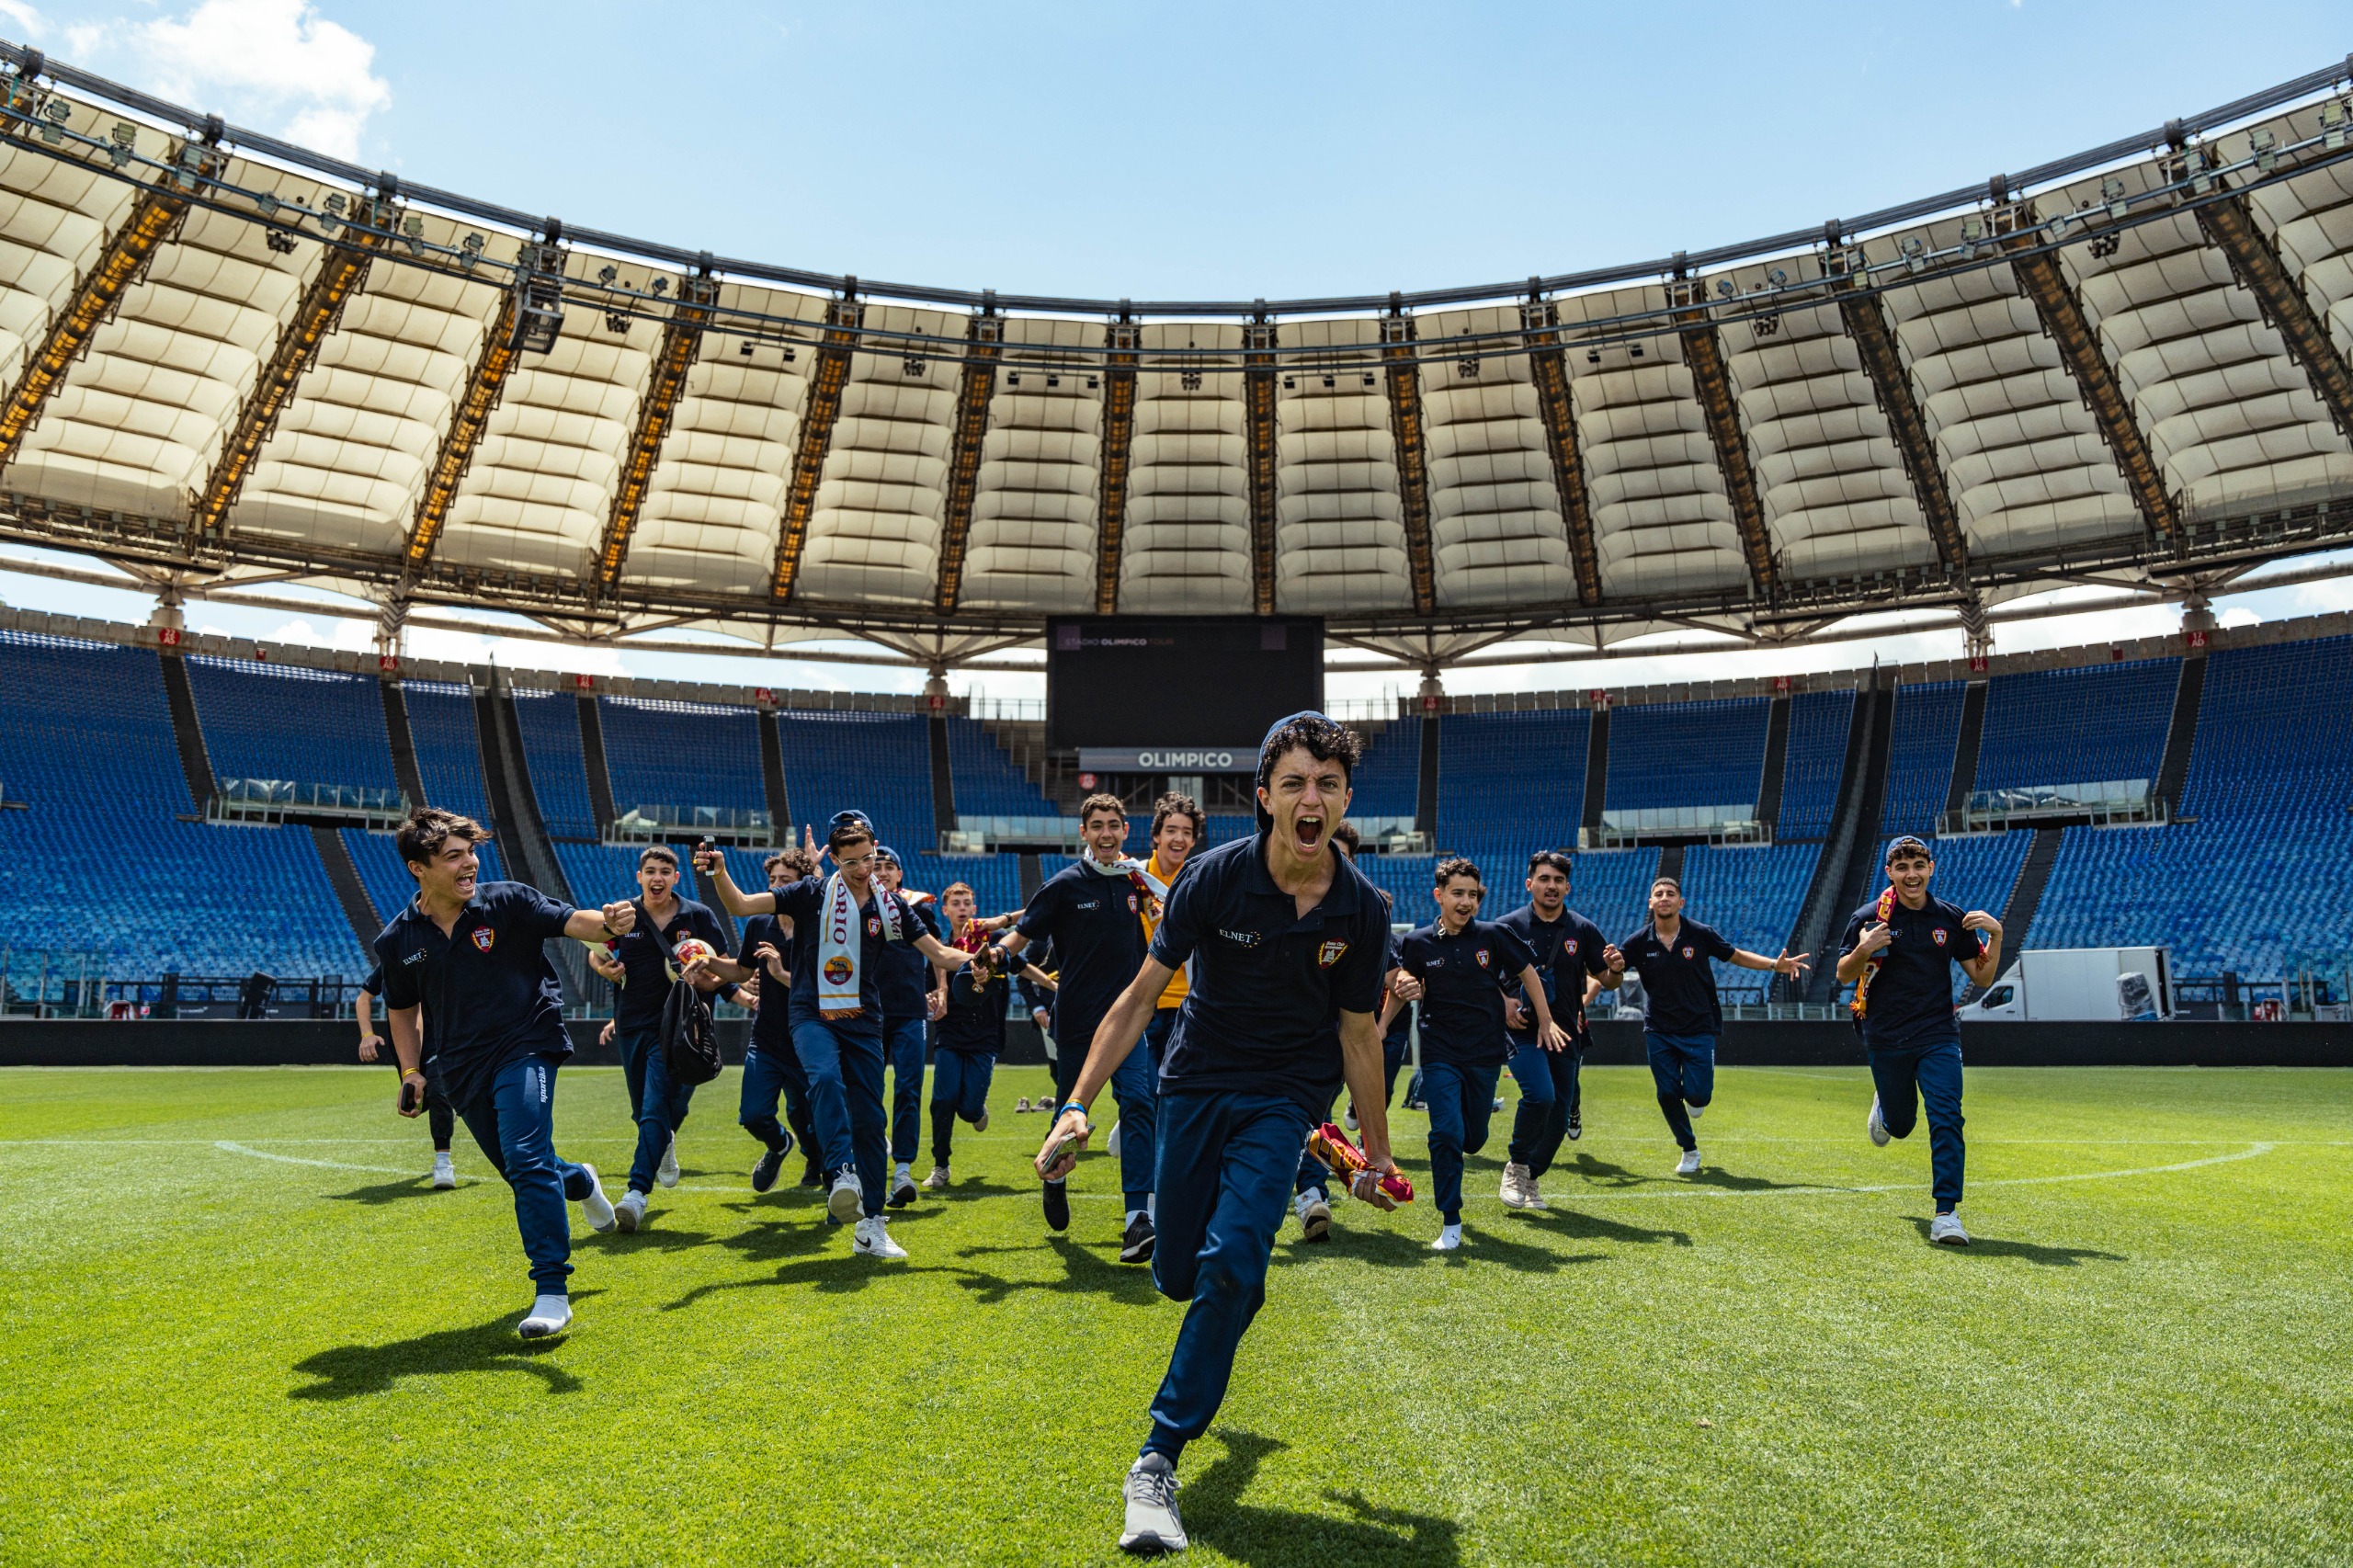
(2040, 275)
(1258, 432)
(1548, 362)
(342, 274)
(1703, 351)
(1413, 465)
(1874, 344)
(1119, 438)
(484, 387)
(983, 334)
(2229, 227)
(827, 381)
(681, 336)
(128, 251)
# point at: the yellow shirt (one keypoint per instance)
(1175, 995)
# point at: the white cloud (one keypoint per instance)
(277, 66)
(21, 17)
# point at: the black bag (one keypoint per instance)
(690, 1043)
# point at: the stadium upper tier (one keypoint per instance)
(2133, 360)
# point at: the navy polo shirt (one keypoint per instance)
(1400, 1036)
(644, 952)
(1096, 925)
(490, 995)
(1910, 1001)
(1567, 950)
(803, 903)
(974, 1020)
(906, 972)
(1677, 978)
(374, 984)
(1262, 1012)
(770, 1029)
(1464, 976)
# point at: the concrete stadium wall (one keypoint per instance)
(212, 1043)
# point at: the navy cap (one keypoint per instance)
(884, 852)
(1906, 842)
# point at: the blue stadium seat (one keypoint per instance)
(1752, 893)
(550, 724)
(986, 782)
(1517, 775)
(1388, 778)
(449, 747)
(282, 722)
(1687, 754)
(2076, 726)
(682, 753)
(876, 763)
(1810, 769)
(1919, 756)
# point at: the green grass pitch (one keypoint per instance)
(236, 1327)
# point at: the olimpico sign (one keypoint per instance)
(1168, 759)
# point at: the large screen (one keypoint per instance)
(1185, 684)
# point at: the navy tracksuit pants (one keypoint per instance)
(1135, 1089)
(902, 1043)
(1548, 1092)
(845, 1102)
(1683, 1066)
(772, 1073)
(1909, 1076)
(513, 1122)
(959, 1086)
(1460, 1098)
(655, 1104)
(1223, 1178)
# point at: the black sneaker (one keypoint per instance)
(1058, 1205)
(1136, 1246)
(814, 1176)
(1576, 1123)
(771, 1163)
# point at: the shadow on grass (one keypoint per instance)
(1602, 1173)
(392, 1191)
(1272, 1537)
(2047, 1256)
(1711, 1176)
(1570, 1222)
(837, 1271)
(350, 1370)
(1085, 1273)
(651, 1238)
(1395, 1249)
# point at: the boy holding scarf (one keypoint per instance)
(841, 926)
(1897, 953)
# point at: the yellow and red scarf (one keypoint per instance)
(1862, 987)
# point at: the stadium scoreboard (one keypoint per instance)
(1176, 694)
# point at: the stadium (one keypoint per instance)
(249, 1328)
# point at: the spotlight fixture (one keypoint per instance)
(279, 241)
(1191, 381)
(617, 322)
(912, 365)
(1053, 380)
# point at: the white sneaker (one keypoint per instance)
(1945, 1231)
(630, 1212)
(1349, 1120)
(1315, 1215)
(1153, 1527)
(872, 1239)
(1112, 1142)
(1535, 1199)
(445, 1174)
(1690, 1164)
(938, 1180)
(1449, 1238)
(549, 1315)
(1877, 1125)
(667, 1173)
(1514, 1187)
(1694, 1111)
(594, 1207)
(848, 1200)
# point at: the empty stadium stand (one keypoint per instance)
(1920, 754)
(2066, 726)
(877, 763)
(680, 754)
(1810, 766)
(987, 784)
(283, 721)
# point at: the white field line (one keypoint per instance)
(227, 1147)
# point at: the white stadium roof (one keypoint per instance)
(227, 359)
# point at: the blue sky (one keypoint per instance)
(1198, 149)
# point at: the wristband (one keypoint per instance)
(1069, 1106)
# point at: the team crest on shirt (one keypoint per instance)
(1482, 957)
(1940, 936)
(874, 925)
(1131, 903)
(1329, 954)
(1687, 953)
(837, 969)
(484, 937)
(1570, 947)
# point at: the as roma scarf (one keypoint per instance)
(1870, 967)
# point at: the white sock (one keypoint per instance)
(905, 1168)
(1151, 1208)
